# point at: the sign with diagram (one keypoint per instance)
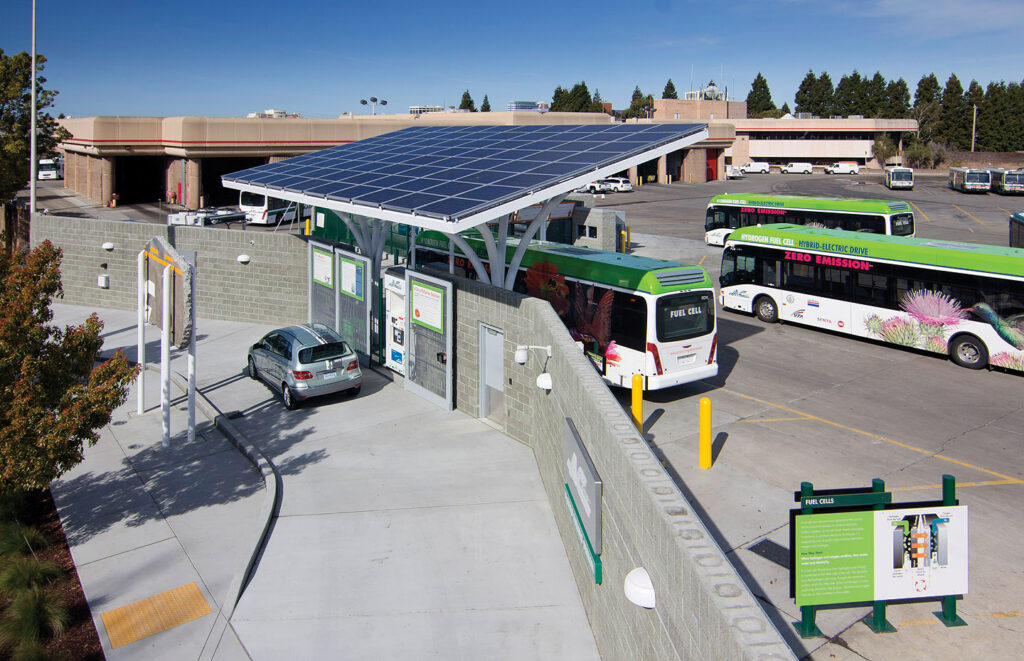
(352, 278)
(323, 268)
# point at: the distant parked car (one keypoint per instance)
(733, 172)
(593, 187)
(843, 167)
(305, 361)
(798, 168)
(755, 166)
(617, 184)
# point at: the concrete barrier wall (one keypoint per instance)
(704, 610)
(271, 288)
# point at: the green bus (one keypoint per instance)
(726, 213)
(965, 300)
(629, 314)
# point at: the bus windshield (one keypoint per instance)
(252, 199)
(899, 175)
(977, 177)
(1010, 178)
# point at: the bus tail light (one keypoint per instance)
(263, 218)
(657, 357)
(714, 346)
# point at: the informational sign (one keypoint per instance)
(323, 268)
(583, 493)
(160, 254)
(320, 219)
(352, 278)
(428, 306)
(876, 555)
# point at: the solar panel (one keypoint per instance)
(452, 172)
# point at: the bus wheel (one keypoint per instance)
(968, 351)
(766, 309)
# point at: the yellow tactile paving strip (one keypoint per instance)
(161, 612)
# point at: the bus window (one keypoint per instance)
(871, 289)
(685, 315)
(771, 272)
(903, 224)
(629, 321)
(835, 282)
(799, 277)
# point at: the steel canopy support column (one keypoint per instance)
(531, 231)
(496, 251)
(474, 259)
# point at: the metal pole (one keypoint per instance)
(32, 135)
(141, 334)
(974, 124)
(165, 362)
(192, 362)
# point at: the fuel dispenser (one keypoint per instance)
(394, 319)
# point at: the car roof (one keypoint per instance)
(309, 336)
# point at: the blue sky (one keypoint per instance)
(223, 58)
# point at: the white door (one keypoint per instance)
(492, 374)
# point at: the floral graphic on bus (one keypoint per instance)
(544, 281)
(932, 314)
(593, 320)
(612, 353)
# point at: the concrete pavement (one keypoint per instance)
(399, 529)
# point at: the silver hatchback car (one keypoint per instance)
(305, 361)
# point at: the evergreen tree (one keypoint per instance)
(927, 108)
(973, 98)
(598, 105)
(806, 97)
(759, 100)
(579, 98)
(850, 96)
(558, 100)
(951, 119)
(785, 109)
(875, 101)
(467, 102)
(486, 105)
(1013, 137)
(897, 100)
(670, 91)
(992, 119)
(640, 106)
(826, 95)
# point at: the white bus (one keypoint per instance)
(899, 177)
(1008, 182)
(629, 314)
(964, 300)
(970, 180)
(263, 210)
(49, 168)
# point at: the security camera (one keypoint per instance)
(522, 354)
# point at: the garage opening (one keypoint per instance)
(139, 179)
(214, 194)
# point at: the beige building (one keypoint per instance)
(181, 159)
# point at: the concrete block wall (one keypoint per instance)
(704, 610)
(272, 288)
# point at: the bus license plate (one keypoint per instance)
(687, 359)
(330, 375)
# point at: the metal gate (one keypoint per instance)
(339, 294)
(429, 338)
(353, 302)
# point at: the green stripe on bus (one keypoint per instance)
(811, 203)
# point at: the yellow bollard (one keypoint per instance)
(638, 402)
(625, 246)
(704, 453)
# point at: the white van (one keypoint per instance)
(263, 210)
(843, 167)
(799, 168)
(50, 168)
(755, 166)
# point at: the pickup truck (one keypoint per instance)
(733, 172)
(755, 166)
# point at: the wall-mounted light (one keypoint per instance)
(544, 381)
(638, 588)
(108, 246)
(244, 259)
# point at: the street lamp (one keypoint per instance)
(373, 101)
(32, 136)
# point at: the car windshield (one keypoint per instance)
(321, 352)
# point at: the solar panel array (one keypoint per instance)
(451, 172)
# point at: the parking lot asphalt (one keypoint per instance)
(794, 404)
(399, 530)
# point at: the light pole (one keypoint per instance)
(373, 101)
(32, 129)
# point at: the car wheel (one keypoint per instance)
(287, 398)
(766, 309)
(252, 368)
(968, 351)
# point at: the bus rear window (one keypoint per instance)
(903, 224)
(684, 316)
(252, 199)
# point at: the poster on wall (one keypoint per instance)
(323, 268)
(428, 306)
(352, 278)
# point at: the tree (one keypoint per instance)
(815, 95)
(883, 149)
(640, 106)
(598, 104)
(670, 91)
(558, 100)
(486, 105)
(875, 102)
(927, 108)
(467, 102)
(54, 399)
(759, 100)
(784, 110)
(16, 120)
(951, 119)
(897, 100)
(849, 96)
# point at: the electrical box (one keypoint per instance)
(103, 281)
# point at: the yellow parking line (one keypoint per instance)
(967, 213)
(918, 209)
(702, 260)
(775, 419)
(986, 483)
(1005, 210)
(905, 446)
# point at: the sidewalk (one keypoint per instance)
(401, 530)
